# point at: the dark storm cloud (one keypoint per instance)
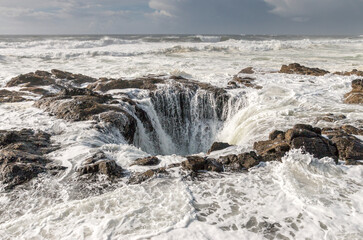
(181, 16)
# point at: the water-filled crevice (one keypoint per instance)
(182, 120)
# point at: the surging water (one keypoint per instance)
(184, 120)
(299, 198)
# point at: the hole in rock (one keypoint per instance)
(182, 121)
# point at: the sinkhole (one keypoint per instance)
(182, 121)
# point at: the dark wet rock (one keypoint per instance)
(356, 95)
(147, 161)
(36, 90)
(241, 161)
(22, 156)
(26, 140)
(353, 162)
(245, 81)
(216, 146)
(76, 104)
(331, 117)
(39, 78)
(350, 148)
(353, 72)
(174, 165)
(276, 134)
(77, 79)
(100, 164)
(108, 84)
(196, 163)
(247, 70)
(123, 121)
(303, 136)
(142, 177)
(345, 129)
(295, 68)
(11, 96)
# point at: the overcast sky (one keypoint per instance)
(181, 16)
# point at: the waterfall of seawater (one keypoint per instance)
(184, 120)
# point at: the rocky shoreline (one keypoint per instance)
(76, 97)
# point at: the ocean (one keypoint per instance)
(300, 197)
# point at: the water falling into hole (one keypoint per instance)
(183, 120)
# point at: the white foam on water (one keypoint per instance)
(301, 197)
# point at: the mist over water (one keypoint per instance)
(298, 198)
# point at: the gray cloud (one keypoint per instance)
(181, 16)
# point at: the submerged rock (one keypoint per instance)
(353, 72)
(295, 68)
(331, 117)
(301, 136)
(216, 146)
(247, 70)
(147, 161)
(11, 96)
(22, 156)
(196, 163)
(245, 81)
(241, 161)
(100, 164)
(356, 95)
(142, 177)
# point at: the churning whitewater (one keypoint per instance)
(116, 143)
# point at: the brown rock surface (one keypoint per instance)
(247, 70)
(147, 161)
(22, 156)
(353, 72)
(196, 163)
(295, 68)
(100, 164)
(216, 146)
(11, 96)
(142, 177)
(301, 136)
(356, 95)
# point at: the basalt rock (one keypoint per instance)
(108, 84)
(216, 146)
(345, 129)
(196, 163)
(247, 70)
(121, 120)
(356, 95)
(76, 104)
(100, 164)
(142, 177)
(353, 72)
(245, 81)
(22, 156)
(76, 79)
(36, 90)
(11, 96)
(147, 161)
(331, 117)
(39, 78)
(239, 162)
(301, 136)
(295, 68)
(350, 148)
